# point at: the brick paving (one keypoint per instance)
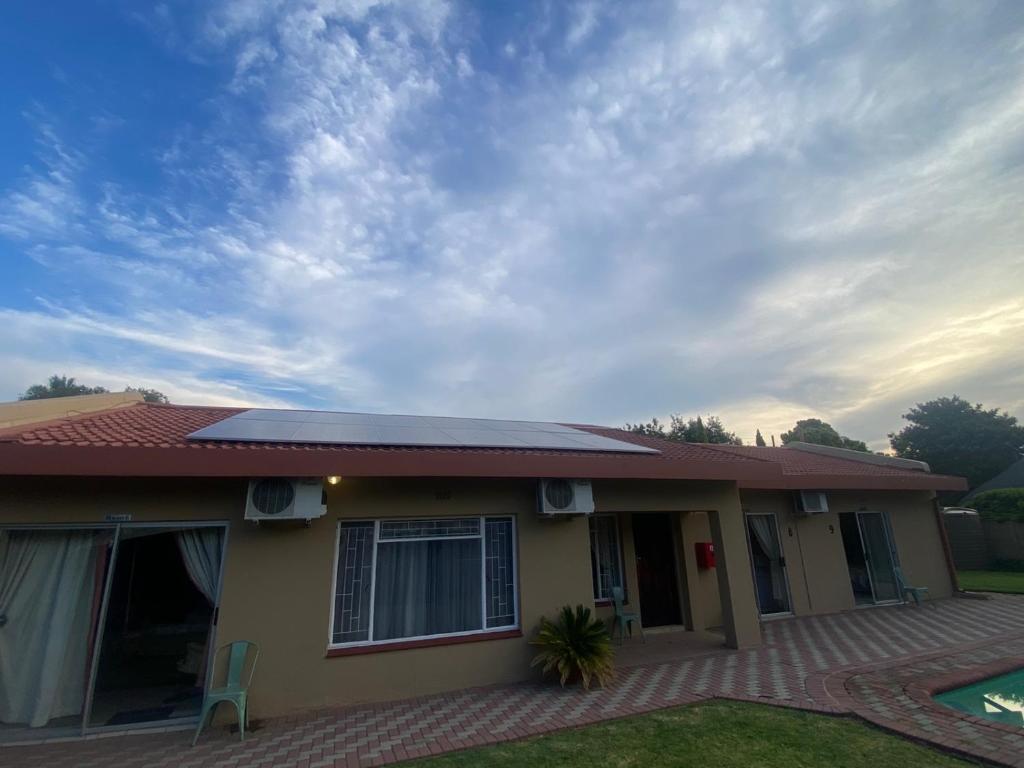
(881, 664)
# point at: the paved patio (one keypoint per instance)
(878, 663)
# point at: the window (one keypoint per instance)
(402, 579)
(605, 555)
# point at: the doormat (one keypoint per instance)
(140, 715)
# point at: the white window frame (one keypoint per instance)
(373, 580)
(618, 553)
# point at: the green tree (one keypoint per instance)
(1001, 504)
(958, 438)
(652, 428)
(683, 430)
(819, 432)
(66, 386)
(700, 430)
(59, 386)
(758, 440)
(149, 395)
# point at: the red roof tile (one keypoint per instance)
(150, 439)
(796, 462)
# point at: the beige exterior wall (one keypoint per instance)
(819, 581)
(691, 503)
(278, 579)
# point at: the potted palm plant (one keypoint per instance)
(576, 646)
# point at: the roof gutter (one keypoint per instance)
(207, 461)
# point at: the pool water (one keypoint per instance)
(998, 698)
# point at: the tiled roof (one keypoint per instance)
(150, 425)
(151, 439)
(796, 462)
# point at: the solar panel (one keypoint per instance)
(263, 425)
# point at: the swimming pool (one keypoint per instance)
(997, 698)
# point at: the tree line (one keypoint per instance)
(952, 435)
(66, 386)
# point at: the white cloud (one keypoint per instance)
(722, 208)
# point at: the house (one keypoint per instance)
(421, 554)
(1011, 477)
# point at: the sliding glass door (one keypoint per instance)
(878, 552)
(768, 564)
(106, 626)
(870, 557)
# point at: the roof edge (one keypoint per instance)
(864, 458)
(11, 432)
(124, 461)
(46, 410)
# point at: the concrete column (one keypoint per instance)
(740, 618)
(696, 616)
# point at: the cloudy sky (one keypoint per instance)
(586, 211)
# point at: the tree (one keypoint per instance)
(66, 386)
(958, 438)
(682, 430)
(1001, 504)
(819, 432)
(59, 386)
(758, 440)
(149, 395)
(653, 428)
(855, 445)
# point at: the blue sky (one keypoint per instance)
(586, 211)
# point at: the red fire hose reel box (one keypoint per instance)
(705, 554)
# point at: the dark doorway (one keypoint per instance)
(654, 543)
(153, 654)
(857, 563)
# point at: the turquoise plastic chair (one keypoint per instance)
(233, 690)
(624, 620)
(916, 592)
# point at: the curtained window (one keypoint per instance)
(401, 579)
(605, 556)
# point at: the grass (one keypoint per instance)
(992, 581)
(719, 733)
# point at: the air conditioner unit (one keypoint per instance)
(811, 503)
(282, 498)
(558, 497)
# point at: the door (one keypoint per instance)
(768, 564)
(658, 588)
(105, 626)
(157, 626)
(878, 553)
(869, 557)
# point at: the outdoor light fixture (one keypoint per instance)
(333, 479)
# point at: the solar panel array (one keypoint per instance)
(261, 425)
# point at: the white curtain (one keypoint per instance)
(47, 589)
(201, 552)
(763, 527)
(427, 588)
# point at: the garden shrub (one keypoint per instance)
(1002, 504)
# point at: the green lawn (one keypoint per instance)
(720, 734)
(992, 581)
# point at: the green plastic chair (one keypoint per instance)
(916, 592)
(624, 620)
(233, 690)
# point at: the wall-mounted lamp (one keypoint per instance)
(333, 479)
